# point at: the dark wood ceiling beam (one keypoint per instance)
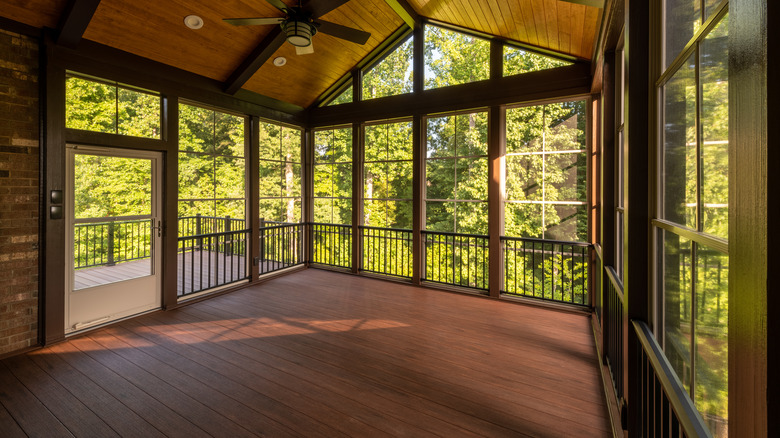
(75, 20)
(255, 60)
(406, 12)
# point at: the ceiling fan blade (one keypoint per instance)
(278, 4)
(318, 8)
(343, 32)
(304, 50)
(252, 21)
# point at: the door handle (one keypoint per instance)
(158, 228)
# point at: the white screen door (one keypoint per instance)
(113, 213)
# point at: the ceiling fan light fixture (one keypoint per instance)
(298, 33)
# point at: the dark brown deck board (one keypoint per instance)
(8, 425)
(318, 354)
(68, 409)
(30, 414)
(117, 415)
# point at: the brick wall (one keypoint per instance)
(19, 181)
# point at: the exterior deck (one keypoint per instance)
(317, 353)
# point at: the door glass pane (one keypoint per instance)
(110, 241)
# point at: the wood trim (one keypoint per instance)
(255, 60)
(754, 211)
(170, 204)
(496, 149)
(418, 60)
(308, 191)
(541, 85)
(496, 59)
(75, 20)
(608, 165)
(636, 278)
(53, 298)
(252, 126)
(357, 195)
(115, 140)
(418, 196)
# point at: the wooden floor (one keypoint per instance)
(316, 354)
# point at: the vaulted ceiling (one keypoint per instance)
(155, 29)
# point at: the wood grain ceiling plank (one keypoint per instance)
(458, 12)
(565, 26)
(503, 28)
(445, 13)
(551, 20)
(537, 7)
(527, 15)
(155, 30)
(481, 21)
(578, 26)
(592, 21)
(514, 28)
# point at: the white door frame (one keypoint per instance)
(95, 306)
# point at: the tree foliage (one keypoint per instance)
(280, 184)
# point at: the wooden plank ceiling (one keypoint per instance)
(557, 25)
(155, 29)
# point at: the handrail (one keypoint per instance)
(219, 233)
(450, 233)
(615, 281)
(686, 413)
(536, 239)
(111, 219)
(370, 227)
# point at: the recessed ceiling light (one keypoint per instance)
(193, 21)
(280, 61)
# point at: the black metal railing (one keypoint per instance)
(455, 259)
(111, 241)
(211, 260)
(281, 246)
(614, 332)
(331, 244)
(198, 224)
(666, 409)
(546, 269)
(386, 251)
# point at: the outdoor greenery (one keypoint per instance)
(546, 172)
(211, 163)
(391, 76)
(456, 174)
(517, 61)
(104, 107)
(453, 58)
(280, 173)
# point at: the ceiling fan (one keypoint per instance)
(300, 23)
